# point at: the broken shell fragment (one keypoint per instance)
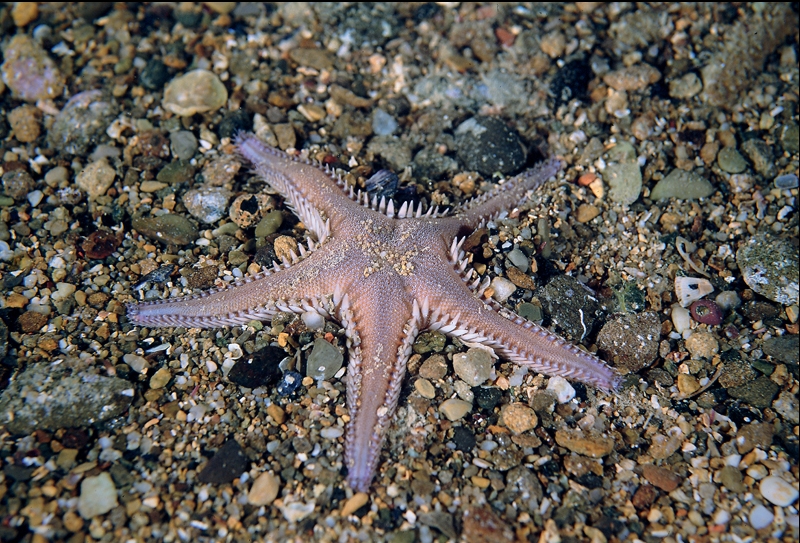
(690, 289)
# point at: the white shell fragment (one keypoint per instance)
(690, 289)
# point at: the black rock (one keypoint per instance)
(487, 397)
(488, 146)
(154, 75)
(463, 438)
(571, 81)
(259, 370)
(226, 465)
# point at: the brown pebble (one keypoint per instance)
(587, 212)
(277, 413)
(756, 434)
(24, 121)
(98, 299)
(518, 418)
(481, 525)
(201, 277)
(520, 279)
(645, 495)
(434, 367)
(593, 446)
(660, 477)
(31, 321)
(359, 500)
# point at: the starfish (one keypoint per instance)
(384, 274)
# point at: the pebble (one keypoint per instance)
(277, 413)
(474, 366)
(572, 307)
(728, 300)
(786, 182)
(70, 395)
(160, 378)
(769, 266)
(594, 446)
(324, 361)
(760, 154)
(154, 75)
(760, 517)
(455, 409)
(17, 184)
(681, 318)
(82, 120)
(788, 406)
(518, 417)
(519, 260)
(623, 174)
(207, 204)
(686, 86)
(96, 178)
(731, 161)
(754, 435)
(661, 477)
(563, 390)
(383, 124)
(183, 144)
(269, 224)
(264, 490)
(687, 384)
(261, 369)
(632, 78)
(702, 345)
(170, 229)
(488, 146)
(778, 491)
(228, 463)
(297, 511)
(29, 72)
(706, 312)
(434, 367)
(98, 496)
(503, 289)
(682, 185)
(198, 91)
(290, 382)
(331, 432)
(179, 171)
(314, 58)
(137, 363)
(758, 393)
(425, 388)
(586, 212)
(24, 13)
(354, 503)
(631, 340)
(732, 479)
(24, 122)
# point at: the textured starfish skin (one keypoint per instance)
(385, 275)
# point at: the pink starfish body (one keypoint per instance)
(385, 275)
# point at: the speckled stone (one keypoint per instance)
(487, 145)
(630, 341)
(28, 70)
(769, 266)
(474, 366)
(702, 345)
(70, 395)
(166, 228)
(758, 393)
(571, 305)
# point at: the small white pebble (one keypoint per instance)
(760, 517)
(562, 388)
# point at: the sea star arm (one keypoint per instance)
(305, 286)
(380, 329)
(455, 306)
(473, 213)
(317, 195)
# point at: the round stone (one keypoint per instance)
(198, 91)
(264, 490)
(324, 361)
(518, 418)
(487, 145)
(98, 496)
(761, 517)
(455, 409)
